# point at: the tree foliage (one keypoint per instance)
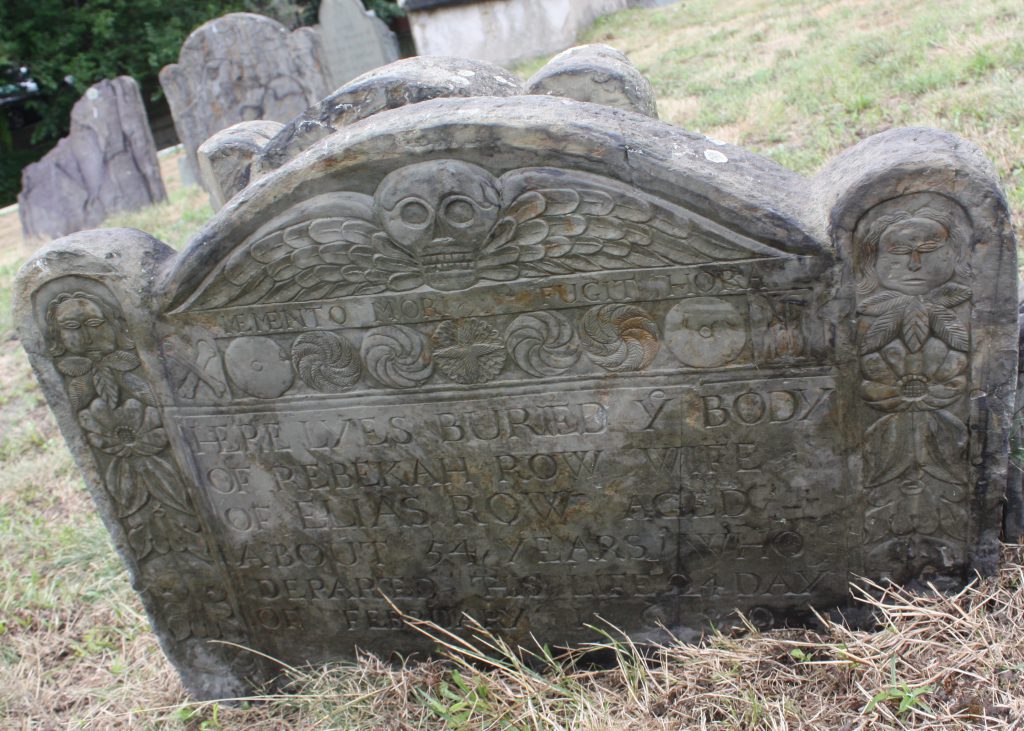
(68, 45)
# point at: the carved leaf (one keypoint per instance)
(120, 360)
(106, 385)
(163, 483)
(888, 451)
(125, 488)
(951, 295)
(140, 540)
(80, 392)
(946, 442)
(915, 325)
(881, 332)
(139, 389)
(947, 326)
(74, 365)
(884, 301)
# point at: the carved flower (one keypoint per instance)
(133, 437)
(468, 351)
(129, 430)
(900, 380)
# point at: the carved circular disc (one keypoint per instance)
(705, 332)
(259, 367)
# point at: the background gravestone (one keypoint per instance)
(409, 81)
(544, 363)
(106, 164)
(354, 40)
(239, 68)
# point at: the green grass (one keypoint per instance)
(174, 221)
(799, 81)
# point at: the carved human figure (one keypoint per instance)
(117, 413)
(911, 245)
(910, 258)
(83, 325)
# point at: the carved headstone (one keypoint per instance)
(354, 40)
(537, 361)
(595, 73)
(226, 158)
(106, 164)
(238, 68)
(409, 81)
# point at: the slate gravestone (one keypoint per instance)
(537, 361)
(106, 164)
(409, 81)
(354, 40)
(595, 73)
(238, 68)
(226, 158)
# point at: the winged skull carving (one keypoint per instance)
(448, 224)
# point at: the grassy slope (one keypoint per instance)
(800, 80)
(797, 81)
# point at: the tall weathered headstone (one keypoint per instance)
(354, 40)
(106, 164)
(239, 68)
(538, 361)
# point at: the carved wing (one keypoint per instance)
(559, 222)
(329, 247)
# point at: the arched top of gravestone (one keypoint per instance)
(624, 183)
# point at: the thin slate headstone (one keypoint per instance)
(238, 68)
(354, 40)
(409, 81)
(544, 364)
(106, 164)
(226, 158)
(595, 73)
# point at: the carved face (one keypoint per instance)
(915, 256)
(84, 329)
(443, 213)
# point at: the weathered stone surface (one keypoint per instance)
(225, 158)
(238, 68)
(1013, 522)
(354, 40)
(501, 31)
(106, 164)
(596, 73)
(538, 361)
(409, 81)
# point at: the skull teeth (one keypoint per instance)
(448, 261)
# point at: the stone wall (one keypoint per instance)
(502, 31)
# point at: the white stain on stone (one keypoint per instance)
(719, 143)
(466, 72)
(93, 94)
(715, 156)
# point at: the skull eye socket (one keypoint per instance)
(459, 211)
(414, 213)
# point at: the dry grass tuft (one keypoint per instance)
(936, 662)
